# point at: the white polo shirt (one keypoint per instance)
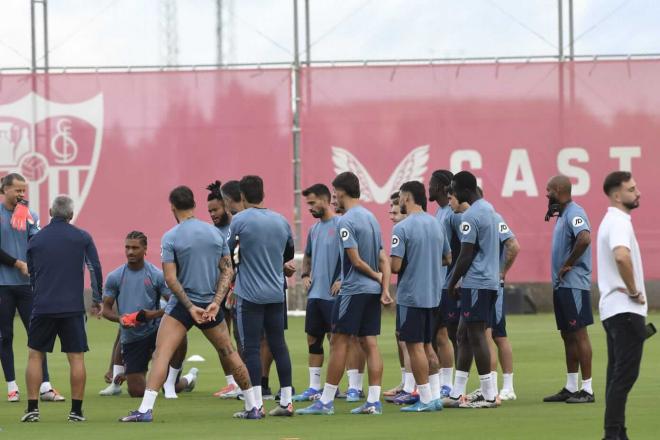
(615, 230)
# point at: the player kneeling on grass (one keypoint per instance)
(419, 241)
(197, 269)
(137, 287)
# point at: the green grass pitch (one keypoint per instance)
(539, 370)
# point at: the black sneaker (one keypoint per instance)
(561, 396)
(30, 416)
(75, 417)
(581, 397)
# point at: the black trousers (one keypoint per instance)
(625, 340)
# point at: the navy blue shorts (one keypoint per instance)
(318, 317)
(416, 324)
(70, 328)
(497, 318)
(572, 308)
(181, 314)
(449, 311)
(477, 304)
(137, 354)
(357, 315)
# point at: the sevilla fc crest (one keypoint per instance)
(55, 146)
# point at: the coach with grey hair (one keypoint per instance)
(56, 259)
(622, 305)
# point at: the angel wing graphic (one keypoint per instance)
(412, 167)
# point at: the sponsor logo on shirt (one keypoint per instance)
(344, 234)
(395, 241)
(504, 228)
(577, 221)
(465, 228)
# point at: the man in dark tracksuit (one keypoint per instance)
(56, 258)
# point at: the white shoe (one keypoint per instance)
(51, 396)
(507, 395)
(193, 380)
(474, 395)
(111, 390)
(13, 396)
(229, 392)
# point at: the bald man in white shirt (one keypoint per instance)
(623, 307)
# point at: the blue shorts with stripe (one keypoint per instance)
(498, 318)
(416, 324)
(357, 315)
(318, 317)
(572, 308)
(477, 304)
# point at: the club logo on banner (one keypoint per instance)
(55, 146)
(412, 167)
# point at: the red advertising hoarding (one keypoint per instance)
(513, 125)
(117, 143)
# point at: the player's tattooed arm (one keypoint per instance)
(307, 271)
(582, 242)
(169, 272)
(511, 249)
(224, 283)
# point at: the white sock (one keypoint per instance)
(315, 377)
(258, 397)
(249, 399)
(460, 382)
(586, 386)
(189, 378)
(45, 387)
(493, 374)
(572, 382)
(446, 377)
(434, 381)
(12, 386)
(329, 392)
(403, 375)
(360, 381)
(148, 400)
(374, 394)
(285, 396)
(409, 383)
(170, 383)
(424, 393)
(352, 378)
(230, 380)
(117, 370)
(486, 381)
(508, 381)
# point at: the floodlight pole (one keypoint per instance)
(560, 32)
(297, 182)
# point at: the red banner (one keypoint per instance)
(513, 125)
(118, 143)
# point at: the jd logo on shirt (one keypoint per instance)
(465, 228)
(578, 221)
(343, 233)
(395, 241)
(504, 228)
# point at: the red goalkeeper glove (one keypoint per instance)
(133, 319)
(21, 216)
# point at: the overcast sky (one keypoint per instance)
(128, 32)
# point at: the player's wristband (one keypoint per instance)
(141, 316)
(635, 295)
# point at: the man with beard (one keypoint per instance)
(321, 267)
(571, 280)
(357, 311)
(221, 218)
(622, 298)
